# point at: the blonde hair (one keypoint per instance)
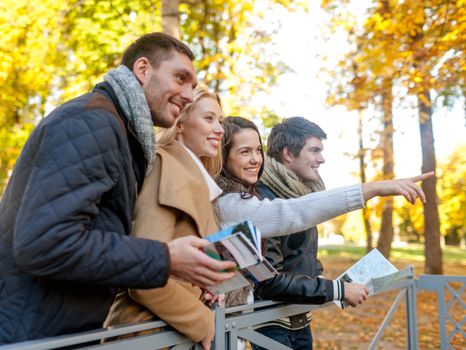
(167, 136)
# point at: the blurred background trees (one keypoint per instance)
(407, 53)
(419, 48)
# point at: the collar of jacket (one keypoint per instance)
(182, 185)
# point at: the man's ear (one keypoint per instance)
(287, 156)
(140, 68)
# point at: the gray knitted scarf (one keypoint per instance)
(285, 183)
(134, 105)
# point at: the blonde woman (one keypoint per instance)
(176, 198)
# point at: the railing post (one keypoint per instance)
(219, 340)
(440, 284)
(411, 317)
(442, 313)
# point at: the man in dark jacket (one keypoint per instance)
(65, 217)
(294, 150)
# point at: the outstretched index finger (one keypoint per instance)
(423, 177)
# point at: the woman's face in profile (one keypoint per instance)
(245, 157)
(202, 130)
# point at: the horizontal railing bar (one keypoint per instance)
(261, 316)
(263, 311)
(436, 282)
(257, 305)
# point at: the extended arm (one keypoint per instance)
(300, 289)
(285, 216)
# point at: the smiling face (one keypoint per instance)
(245, 157)
(202, 130)
(168, 88)
(306, 164)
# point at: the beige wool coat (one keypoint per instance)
(173, 202)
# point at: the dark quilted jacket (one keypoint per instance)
(64, 223)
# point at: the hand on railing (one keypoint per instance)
(355, 293)
(206, 343)
(209, 299)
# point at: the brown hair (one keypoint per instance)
(230, 183)
(156, 47)
(293, 134)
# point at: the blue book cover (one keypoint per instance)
(246, 227)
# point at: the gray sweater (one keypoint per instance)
(285, 216)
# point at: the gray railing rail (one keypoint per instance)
(442, 285)
(239, 322)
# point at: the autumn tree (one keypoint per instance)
(351, 85)
(433, 37)
(235, 55)
(452, 196)
(29, 55)
(421, 46)
(362, 173)
(51, 51)
(171, 18)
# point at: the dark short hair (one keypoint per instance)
(232, 125)
(157, 47)
(292, 133)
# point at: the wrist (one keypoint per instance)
(367, 190)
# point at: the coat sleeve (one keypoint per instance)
(179, 306)
(77, 160)
(285, 216)
(300, 289)
(291, 287)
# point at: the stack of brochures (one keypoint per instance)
(240, 243)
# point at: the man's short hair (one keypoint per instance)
(293, 134)
(156, 47)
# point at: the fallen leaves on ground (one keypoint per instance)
(354, 328)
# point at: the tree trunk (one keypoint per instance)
(170, 18)
(362, 172)
(432, 249)
(386, 227)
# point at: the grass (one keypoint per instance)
(413, 252)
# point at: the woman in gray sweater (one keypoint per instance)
(243, 157)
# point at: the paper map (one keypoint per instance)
(375, 272)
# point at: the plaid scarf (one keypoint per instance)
(134, 105)
(285, 183)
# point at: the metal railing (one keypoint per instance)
(442, 285)
(239, 322)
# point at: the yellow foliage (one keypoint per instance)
(51, 51)
(452, 191)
